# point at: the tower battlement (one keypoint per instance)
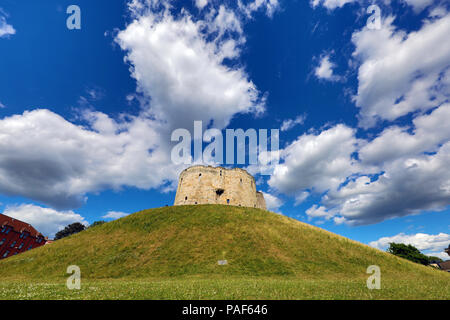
(218, 185)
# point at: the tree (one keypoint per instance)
(70, 230)
(97, 223)
(409, 252)
(434, 259)
(448, 250)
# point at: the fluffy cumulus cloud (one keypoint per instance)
(319, 212)
(330, 4)
(273, 203)
(178, 64)
(46, 220)
(412, 174)
(46, 158)
(427, 134)
(400, 72)
(115, 215)
(407, 186)
(418, 5)
(402, 171)
(5, 28)
(429, 244)
(437, 12)
(325, 69)
(201, 3)
(318, 161)
(270, 6)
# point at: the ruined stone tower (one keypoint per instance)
(218, 185)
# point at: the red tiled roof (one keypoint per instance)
(18, 225)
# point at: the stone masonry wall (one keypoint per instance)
(218, 185)
(260, 201)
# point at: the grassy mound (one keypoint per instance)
(186, 242)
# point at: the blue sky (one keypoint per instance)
(86, 115)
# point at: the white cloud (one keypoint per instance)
(330, 4)
(325, 69)
(45, 220)
(95, 93)
(302, 196)
(318, 212)
(182, 70)
(420, 158)
(401, 72)
(438, 12)
(5, 28)
(406, 186)
(225, 21)
(201, 3)
(2, 106)
(428, 133)
(290, 123)
(418, 5)
(316, 161)
(272, 202)
(177, 62)
(48, 159)
(403, 171)
(432, 245)
(339, 220)
(442, 255)
(269, 5)
(115, 215)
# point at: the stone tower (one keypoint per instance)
(218, 185)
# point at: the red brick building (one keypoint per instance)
(17, 236)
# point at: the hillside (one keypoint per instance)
(187, 242)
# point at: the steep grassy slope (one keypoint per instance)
(189, 240)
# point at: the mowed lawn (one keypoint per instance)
(234, 288)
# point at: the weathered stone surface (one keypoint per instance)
(260, 201)
(218, 185)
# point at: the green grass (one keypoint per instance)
(172, 253)
(219, 289)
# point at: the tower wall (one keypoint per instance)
(217, 185)
(260, 201)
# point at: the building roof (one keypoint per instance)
(18, 225)
(444, 265)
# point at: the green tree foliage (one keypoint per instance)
(70, 230)
(97, 223)
(434, 259)
(410, 252)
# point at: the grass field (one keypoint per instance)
(233, 288)
(172, 253)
